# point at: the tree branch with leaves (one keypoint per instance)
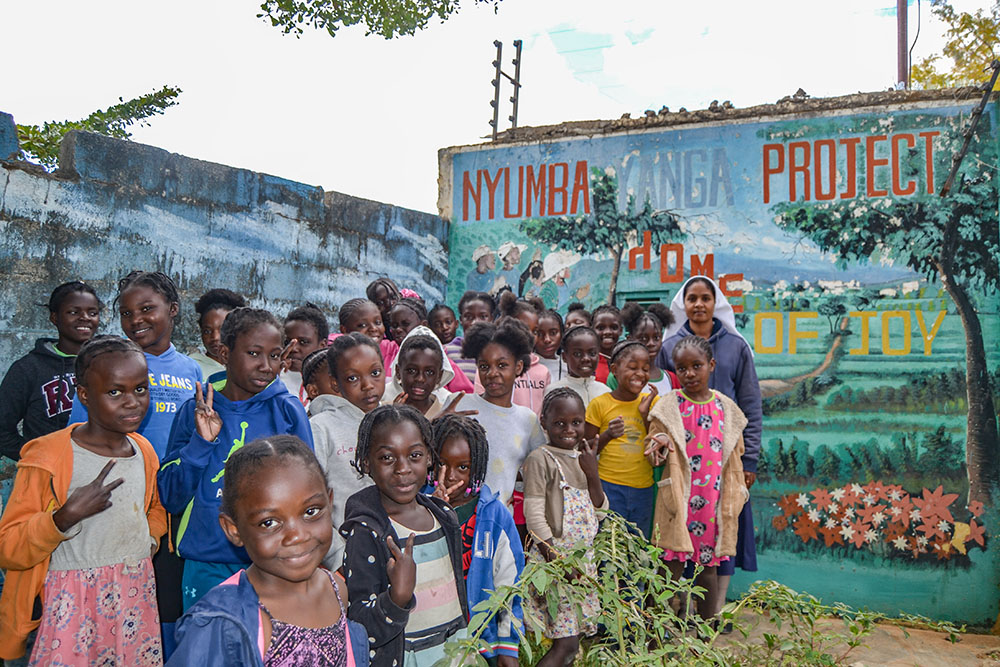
(972, 42)
(40, 143)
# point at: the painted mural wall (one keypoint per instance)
(115, 206)
(870, 302)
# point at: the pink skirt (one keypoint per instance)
(100, 616)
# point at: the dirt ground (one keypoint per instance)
(893, 646)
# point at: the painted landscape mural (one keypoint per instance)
(871, 303)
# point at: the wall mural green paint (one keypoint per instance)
(870, 302)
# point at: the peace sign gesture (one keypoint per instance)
(451, 407)
(588, 456)
(442, 492)
(87, 500)
(207, 421)
(402, 571)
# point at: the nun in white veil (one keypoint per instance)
(701, 309)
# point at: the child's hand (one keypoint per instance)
(440, 490)
(749, 478)
(285, 364)
(207, 421)
(450, 408)
(87, 500)
(401, 399)
(658, 447)
(646, 403)
(616, 428)
(402, 571)
(588, 456)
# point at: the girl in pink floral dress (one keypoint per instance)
(697, 432)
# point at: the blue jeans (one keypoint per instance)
(636, 505)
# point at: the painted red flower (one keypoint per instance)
(780, 522)
(805, 528)
(866, 513)
(942, 549)
(934, 505)
(892, 531)
(976, 508)
(831, 536)
(860, 530)
(876, 489)
(977, 533)
(789, 504)
(823, 498)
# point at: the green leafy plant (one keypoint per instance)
(389, 18)
(640, 626)
(971, 41)
(40, 143)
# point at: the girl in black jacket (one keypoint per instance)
(404, 555)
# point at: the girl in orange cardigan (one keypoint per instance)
(78, 568)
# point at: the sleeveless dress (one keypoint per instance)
(703, 424)
(294, 646)
(579, 525)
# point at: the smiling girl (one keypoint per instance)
(147, 307)
(213, 425)
(284, 609)
(212, 308)
(357, 376)
(37, 392)
(410, 599)
(83, 520)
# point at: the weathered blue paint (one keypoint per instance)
(8, 136)
(116, 206)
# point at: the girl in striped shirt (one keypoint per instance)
(404, 550)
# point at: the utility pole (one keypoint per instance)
(902, 55)
(515, 81)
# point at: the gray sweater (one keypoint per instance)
(335, 421)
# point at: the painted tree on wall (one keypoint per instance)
(606, 229)
(953, 238)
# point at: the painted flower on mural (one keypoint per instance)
(883, 519)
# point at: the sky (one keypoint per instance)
(366, 116)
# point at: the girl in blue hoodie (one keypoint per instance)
(209, 428)
(491, 548)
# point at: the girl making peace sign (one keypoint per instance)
(209, 428)
(69, 535)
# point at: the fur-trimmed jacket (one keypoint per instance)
(670, 516)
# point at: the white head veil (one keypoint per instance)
(447, 374)
(723, 311)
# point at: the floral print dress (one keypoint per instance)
(703, 427)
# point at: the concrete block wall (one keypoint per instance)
(114, 206)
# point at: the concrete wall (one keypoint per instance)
(114, 206)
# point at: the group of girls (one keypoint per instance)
(389, 475)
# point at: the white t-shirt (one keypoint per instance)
(512, 433)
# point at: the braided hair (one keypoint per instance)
(606, 308)
(696, 342)
(557, 394)
(451, 425)
(509, 305)
(156, 280)
(622, 346)
(62, 292)
(351, 308)
(440, 308)
(471, 296)
(389, 285)
(390, 414)
(99, 345)
(508, 332)
(414, 304)
(312, 314)
(342, 344)
(312, 363)
(241, 320)
(216, 299)
(634, 315)
(578, 330)
(576, 306)
(254, 456)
